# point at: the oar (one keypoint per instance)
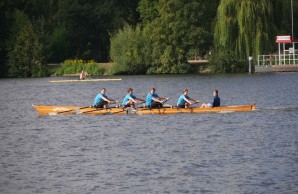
(189, 105)
(166, 100)
(194, 103)
(151, 109)
(96, 109)
(142, 102)
(114, 102)
(124, 109)
(55, 113)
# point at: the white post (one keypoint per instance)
(284, 53)
(250, 67)
(294, 54)
(279, 59)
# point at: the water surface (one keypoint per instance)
(253, 152)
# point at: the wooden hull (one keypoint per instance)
(55, 110)
(87, 80)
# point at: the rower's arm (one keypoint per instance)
(140, 99)
(187, 100)
(133, 100)
(157, 100)
(195, 100)
(111, 99)
(161, 97)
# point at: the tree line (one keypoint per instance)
(138, 36)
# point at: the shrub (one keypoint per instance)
(40, 71)
(130, 51)
(175, 69)
(74, 66)
(226, 62)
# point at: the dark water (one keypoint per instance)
(254, 152)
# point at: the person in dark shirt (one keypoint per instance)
(214, 103)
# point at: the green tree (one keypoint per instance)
(148, 11)
(88, 25)
(130, 51)
(26, 57)
(174, 30)
(245, 27)
(6, 10)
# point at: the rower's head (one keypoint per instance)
(130, 90)
(103, 90)
(152, 91)
(215, 92)
(185, 91)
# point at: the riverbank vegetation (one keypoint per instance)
(137, 36)
(76, 66)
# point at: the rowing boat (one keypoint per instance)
(87, 80)
(54, 110)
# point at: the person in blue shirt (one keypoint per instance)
(153, 100)
(184, 100)
(215, 102)
(130, 99)
(101, 100)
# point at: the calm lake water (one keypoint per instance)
(254, 152)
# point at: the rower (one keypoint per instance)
(130, 99)
(82, 75)
(155, 101)
(215, 102)
(101, 100)
(184, 100)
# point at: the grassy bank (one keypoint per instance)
(74, 67)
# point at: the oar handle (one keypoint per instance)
(96, 109)
(166, 100)
(195, 103)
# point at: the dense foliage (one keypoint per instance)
(173, 32)
(247, 28)
(170, 29)
(58, 30)
(76, 66)
(130, 51)
(139, 36)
